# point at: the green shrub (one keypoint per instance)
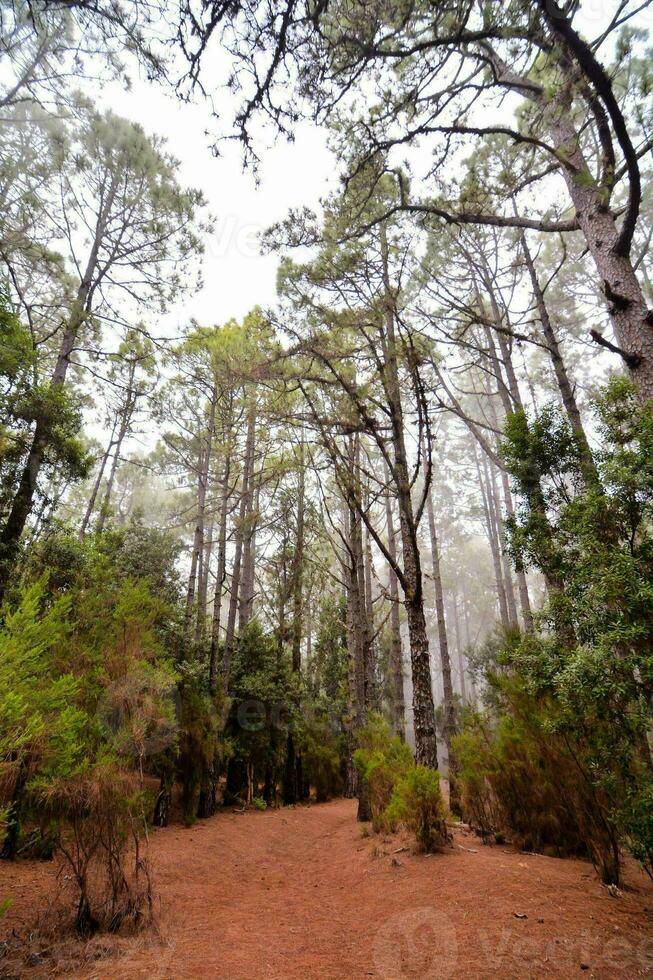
(321, 757)
(381, 760)
(259, 803)
(521, 780)
(637, 820)
(417, 802)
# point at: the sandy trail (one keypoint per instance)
(299, 893)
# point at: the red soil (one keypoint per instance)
(299, 893)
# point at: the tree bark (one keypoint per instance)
(24, 497)
(565, 387)
(220, 574)
(125, 421)
(423, 707)
(396, 652)
(248, 468)
(494, 546)
(443, 639)
(90, 507)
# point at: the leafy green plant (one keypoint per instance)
(381, 760)
(417, 802)
(562, 758)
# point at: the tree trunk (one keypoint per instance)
(203, 468)
(631, 318)
(24, 497)
(495, 510)
(423, 706)
(125, 420)
(443, 640)
(248, 467)
(565, 387)
(96, 484)
(522, 584)
(494, 547)
(203, 585)
(246, 602)
(356, 638)
(220, 575)
(396, 652)
(293, 777)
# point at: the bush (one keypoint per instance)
(638, 825)
(322, 752)
(519, 779)
(399, 791)
(417, 802)
(567, 746)
(381, 760)
(101, 816)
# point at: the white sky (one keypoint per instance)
(236, 275)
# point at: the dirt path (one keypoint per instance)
(299, 893)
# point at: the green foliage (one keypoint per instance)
(264, 707)
(259, 803)
(322, 752)
(42, 728)
(522, 781)
(399, 790)
(565, 758)
(418, 803)
(381, 759)
(637, 821)
(84, 679)
(26, 401)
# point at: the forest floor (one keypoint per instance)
(301, 893)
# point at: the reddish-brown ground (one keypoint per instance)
(299, 893)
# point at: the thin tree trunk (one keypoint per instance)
(423, 707)
(560, 370)
(495, 510)
(522, 584)
(298, 569)
(90, 507)
(203, 585)
(357, 638)
(494, 546)
(248, 467)
(396, 653)
(246, 602)
(203, 469)
(220, 574)
(443, 639)
(125, 420)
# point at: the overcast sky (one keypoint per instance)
(236, 275)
